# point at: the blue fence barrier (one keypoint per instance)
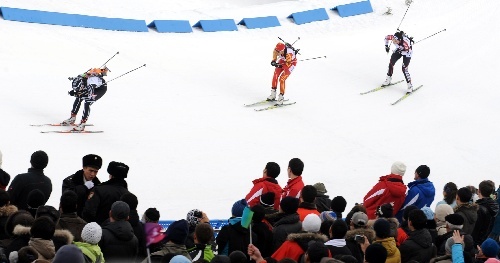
(353, 9)
(309, 16)
(260, 22)
(217, 25)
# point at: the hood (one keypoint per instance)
(389, 244)
(490, 204)
(425, 186)
(287, 219)
(368, 232)
(303, 238)
(7, 210)
(63, 235)
(122, 230)
(422, 237)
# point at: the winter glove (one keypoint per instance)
(72, 93)
(387, 48)
(89, 184)
(274, 64)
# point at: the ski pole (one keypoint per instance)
(110, 59)
(126, 73)
(311, 58)
(431, 36)
(404, 15)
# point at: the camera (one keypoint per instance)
(360, 239)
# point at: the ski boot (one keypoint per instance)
(272, 96)
(69, 121)
(410, 88)
(81, 126)
(387, 81)
(280, 99)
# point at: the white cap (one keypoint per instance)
(398, 168)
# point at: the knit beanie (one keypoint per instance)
(177, 232)
(238, 207)
(398, 168)
(490, 248)
(311, 223)
(69, 253)
(120, 210)
(39, 160)
(267, 199)
(289, 204)
(180, 259)
(428, 212)
(442, 211)
(338, 204)
(376, 253)
(92, 233)
(193, 217)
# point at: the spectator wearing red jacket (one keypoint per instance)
(389, 189)
(295, 183)
(267, 183)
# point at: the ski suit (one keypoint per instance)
(88, 88)
(403, 49)
(287, 62)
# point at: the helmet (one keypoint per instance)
(399, 35)
(280, 46)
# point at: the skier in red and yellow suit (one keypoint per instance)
(285, 61)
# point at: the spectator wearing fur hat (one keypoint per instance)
(42, 233)
(6, 209)
(176, 235)
(69, 219)
(295, 183)
(322, 201)
(307, 205)
(466, 208)
(263, 230)
(389, 189)
(421, 192)
(266, 183)
(91, 235)
(102, 196)
(454, 222)
(4, 176)
(338, 205)
(202, 250)
(233, 236)
(287, 221)
(419, 244)
(24, 183)
(194, 217)
(82, 181)
(337, 244)
(358, 226)
(382, 229)
(118, 242)
(296, 244)
(17, 228)
(487, 210)
(449, 195)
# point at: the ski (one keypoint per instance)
(275, 106)
(381, 87)
(406, 95)
(72, 131)
(260, 102)
(56, 125)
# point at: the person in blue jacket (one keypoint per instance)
(421, 192)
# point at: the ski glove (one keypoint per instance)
(274, 64)
(89, 184)
(387, 48)
(72, 93)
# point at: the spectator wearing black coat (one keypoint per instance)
(82, 181)
(488, 209)
(322, 201)
(18, 228)
(467, 209)
(287, 221)
(6, 209)
(69, 220)
(24, 183)
(419, 244)
(118, 242)
(263, 230)
(136, 223)
(102, 196)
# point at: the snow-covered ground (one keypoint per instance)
(180, 124)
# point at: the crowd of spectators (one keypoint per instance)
(98, 221)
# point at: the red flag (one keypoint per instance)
(154, 233)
